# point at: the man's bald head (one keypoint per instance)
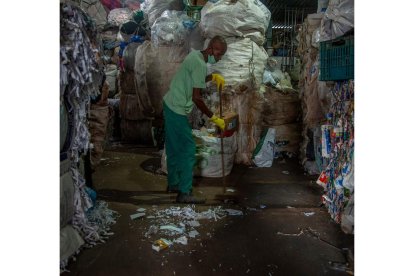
(217, 47)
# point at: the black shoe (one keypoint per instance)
(188, 198)
(173, 189)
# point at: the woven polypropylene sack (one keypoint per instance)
(243, 63)
(242, 18)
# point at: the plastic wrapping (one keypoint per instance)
(268, 78)
(316, 37)
(242, 65)
(117, 17)
(337, 20)
(264, 153)
(242, 18)
(154, 8)
(171, 28)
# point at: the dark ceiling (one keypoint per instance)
(284, 12)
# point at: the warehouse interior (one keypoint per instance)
(277, 180)
(275, 150)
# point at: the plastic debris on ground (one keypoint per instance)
(308, 214)
(137, 215)
(233, 212)
(178, 223)
(285, 172)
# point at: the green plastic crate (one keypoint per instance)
(337, 59)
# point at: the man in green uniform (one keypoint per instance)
(184, 92)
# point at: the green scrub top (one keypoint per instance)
(191, 74)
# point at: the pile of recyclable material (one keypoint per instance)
(315, 95)
(338, 148)
(81, 78)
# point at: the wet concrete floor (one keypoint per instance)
(272, 237)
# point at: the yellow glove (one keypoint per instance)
(218, 79)
(218, 121)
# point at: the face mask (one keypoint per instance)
(211, 59)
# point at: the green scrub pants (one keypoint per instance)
(180, 149)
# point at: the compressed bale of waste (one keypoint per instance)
(288, 137)
(248, 104)
(70, 242)
(111, 72)
(127, 82)
(67, 191)
(137, 131)
(154, 69)
(313, 114)
(128, 107)
(242, 67)
(242, 18)
(98, 123)
(129, 55)
(280, 108)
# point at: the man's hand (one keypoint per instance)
(218, 121)
(218, 79)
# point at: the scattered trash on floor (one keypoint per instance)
(161, 244)
(193, 234)
(183, 240)
(285, 172)
(262, 206)
(308, 214)
(230, 190)
(233, 212)
(290, 207)
(179, 222)
(171, 228)
(137, 215)
(296, 235)
(141, 210)
(193, 223)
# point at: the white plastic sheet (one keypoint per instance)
(242, 18)
(243, 64)
(264, 153)
(337, 20)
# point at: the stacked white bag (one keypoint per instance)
(243, 24)
(243, 18)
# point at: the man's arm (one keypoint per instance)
(198, 101)
(209, 78)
